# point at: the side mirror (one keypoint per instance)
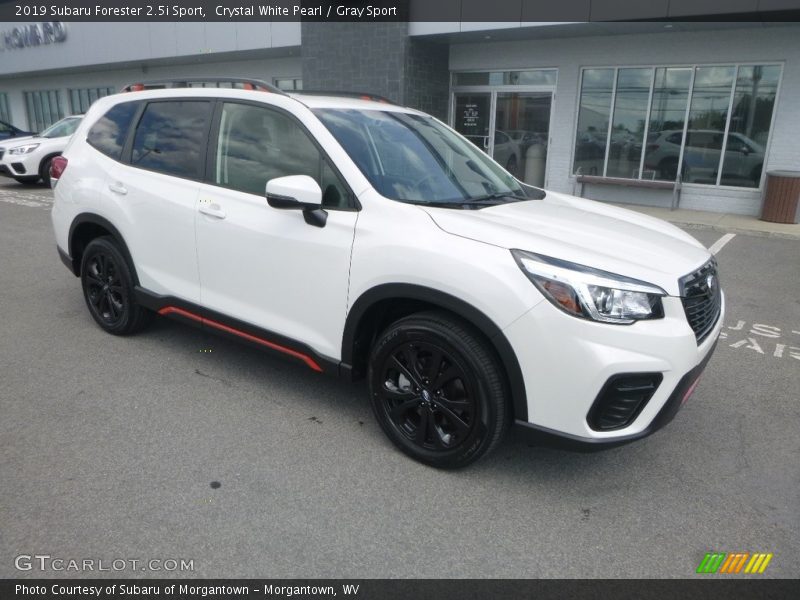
(298, 192)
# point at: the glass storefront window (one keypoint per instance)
(289, 84)
(472, 117)
(80, 100)
(44, 108)
(522, 131)
(534, 77)
(630, 116)
(5, 113)
(667, 119)
(708, 114)
(751, 114)
(673, 145)
(591, 140)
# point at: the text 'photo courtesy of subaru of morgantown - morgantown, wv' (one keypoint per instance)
(369, 240)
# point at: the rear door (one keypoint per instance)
(158, 188)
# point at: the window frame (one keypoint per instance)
(353, 205)
(693, 66)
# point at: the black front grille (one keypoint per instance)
(702, 299)
(2, 151)
(622, 399)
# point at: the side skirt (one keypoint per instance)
(201, 317)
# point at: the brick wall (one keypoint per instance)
(427, 80)
(378, 58)
(361, 57)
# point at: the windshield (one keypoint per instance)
(414, 158)
(62, 128)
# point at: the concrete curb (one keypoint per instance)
(737, 230)
(725, 223)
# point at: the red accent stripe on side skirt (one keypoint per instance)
(167, 310)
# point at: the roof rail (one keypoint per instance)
(359, 95)
(204, 82)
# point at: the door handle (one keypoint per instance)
(212, 209)
(118, 188)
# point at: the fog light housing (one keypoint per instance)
(621, 400)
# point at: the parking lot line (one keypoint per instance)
(717, 246)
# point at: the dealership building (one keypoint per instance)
(649, 112)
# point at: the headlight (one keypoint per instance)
(590, 293)
(23, 149)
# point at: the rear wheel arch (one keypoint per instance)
(380, 306)
(43, 162)
(88, 226)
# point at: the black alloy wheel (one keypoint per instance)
(437, 391)
(104, 289)
(108, 288)
(428, 398)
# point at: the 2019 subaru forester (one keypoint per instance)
(365, 239)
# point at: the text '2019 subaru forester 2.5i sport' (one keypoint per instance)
(365, 239)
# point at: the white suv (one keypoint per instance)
(28, 159)
(360, 238)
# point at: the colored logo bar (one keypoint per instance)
(734, 562)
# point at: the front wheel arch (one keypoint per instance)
(382, 304)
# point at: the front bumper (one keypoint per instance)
(566, 362)
(542, 436)
(23, 165)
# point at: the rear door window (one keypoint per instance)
(171, 138)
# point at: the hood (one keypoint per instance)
(16, 141)
(585, 232)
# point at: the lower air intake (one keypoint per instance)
(622, 399)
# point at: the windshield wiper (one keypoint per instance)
(492, 198)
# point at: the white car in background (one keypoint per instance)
(28, 159)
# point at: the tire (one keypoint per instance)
(108, 289)
(27, 180)
(437, 390)
(44, 171)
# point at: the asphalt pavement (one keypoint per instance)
(178, 445)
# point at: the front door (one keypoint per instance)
(264, 266)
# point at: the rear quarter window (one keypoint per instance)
(109, 133)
